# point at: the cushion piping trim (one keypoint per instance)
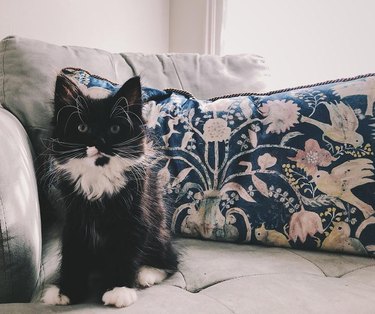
(295, 88)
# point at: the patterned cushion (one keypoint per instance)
(291, 168)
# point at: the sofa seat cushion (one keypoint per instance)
(216, 277)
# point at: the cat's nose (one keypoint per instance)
(101, 141)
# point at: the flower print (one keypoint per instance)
(164, 175)
(289, 202)
(216, 130)
(312, 157)
(266, 161)
(304, 223)
(251, 190)
(151, 113)
(280, 115)
(217, 105)
(284, 197)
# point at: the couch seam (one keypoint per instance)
(207, 296)
(183, 277)
(177, 74)
(221, 303)
(250, 275)
(3, 69)
(2, 242)
(354, 270)
(238, 277)
(324, 273)
(9, 282)
(128, 62)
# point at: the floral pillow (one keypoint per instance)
(291, 168)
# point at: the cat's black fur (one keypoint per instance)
(113, 233)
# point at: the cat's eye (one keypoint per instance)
(83, 128)
(115, 129)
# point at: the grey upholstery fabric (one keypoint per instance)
(230, 278)
(29, 69)
(20, 247)
(204, 76)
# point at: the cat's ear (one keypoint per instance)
(66, 92)
(132, 92)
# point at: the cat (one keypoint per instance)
(115, 221)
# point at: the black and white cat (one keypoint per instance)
(115, 221)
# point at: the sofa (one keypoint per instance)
(213, 276)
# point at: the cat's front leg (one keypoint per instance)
(119, 282)
(120, 297)
(72, 285)
(74, 272)
(53, 296)
(148, 276)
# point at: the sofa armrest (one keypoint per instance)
(20, 227)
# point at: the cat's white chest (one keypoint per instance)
(95, 181)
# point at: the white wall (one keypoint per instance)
(187, 26)
(113, 25)
(304, 41)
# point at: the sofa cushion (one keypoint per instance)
(290, 168)
(28, 70)
(230, 278)
(20, 238)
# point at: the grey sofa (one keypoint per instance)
(213, 277)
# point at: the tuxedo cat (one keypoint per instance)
(115, 222)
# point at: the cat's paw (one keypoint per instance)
(149, 276)
(120, 297)
(53, 296)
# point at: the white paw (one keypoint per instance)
(148, 276)
(53, 296)
(120, 297)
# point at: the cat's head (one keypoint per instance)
(97, 130)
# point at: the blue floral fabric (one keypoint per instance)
(292, 169)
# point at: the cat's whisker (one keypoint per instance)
(136, 116)
(79, 100)
(118, 109)
(126, 148)
(136, 138)
(61, 109)
(55, 140)
(67, 121)
(117, 106)
(61, 152)
(126, 121)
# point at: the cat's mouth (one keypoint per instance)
(100, 158)
(92, 151)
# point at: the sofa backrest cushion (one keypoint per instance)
(28, 70)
